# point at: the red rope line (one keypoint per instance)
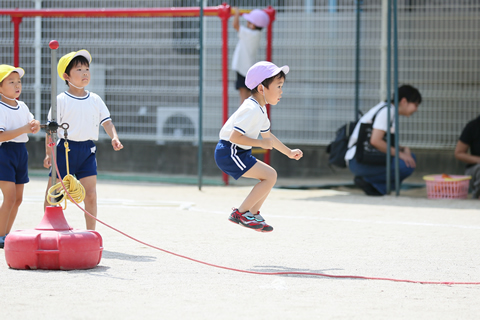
(255, 272)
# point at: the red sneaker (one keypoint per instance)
(245, 219)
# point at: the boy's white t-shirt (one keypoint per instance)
(380, 123)
(12, 118)
(84, 115)
(245, 54)
(250, 119)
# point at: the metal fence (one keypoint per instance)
(146, 69)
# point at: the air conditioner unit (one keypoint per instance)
(177, 124)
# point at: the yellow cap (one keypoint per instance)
(66, 59)
(5, 71)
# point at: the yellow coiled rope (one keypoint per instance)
(73, 186)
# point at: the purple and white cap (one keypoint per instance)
(258, 17)
(260, 71)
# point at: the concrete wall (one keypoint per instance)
(148, 157)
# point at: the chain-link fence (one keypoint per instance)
(146, 69)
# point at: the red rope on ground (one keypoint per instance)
(258, 272)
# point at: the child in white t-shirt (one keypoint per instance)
(15, 122)
(84, 112)
(233, 153)
(245, 54)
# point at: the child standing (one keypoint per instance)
(245, 54)
(240, 133)
(84, 111)
(15, 122)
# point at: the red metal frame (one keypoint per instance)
(223, 12)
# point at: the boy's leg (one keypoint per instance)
(268, 177)
(9, 199)
(474, 171)
(90, 185)
(45, 202)
(18, 201)
(49, 185)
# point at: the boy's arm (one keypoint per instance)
(47, 163)
(239, 138)
(277, 144)
(11, 134)
(236, 18)
(405, 154)
(461, 153)
(112, 133)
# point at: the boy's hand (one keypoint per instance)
(408, 159)
(47, 163)
(296, 154)
(34, 126)
(117, 145)
(235, 11)
(267, 143)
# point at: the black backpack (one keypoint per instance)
(338, 147)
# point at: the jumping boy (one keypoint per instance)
(84, 111)
(15, 122)
(240, 133)
(245, 54)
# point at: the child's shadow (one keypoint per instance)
(127, 257)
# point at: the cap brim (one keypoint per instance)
(20, 71)
(285, 69)
(84, 53)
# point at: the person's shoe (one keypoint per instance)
(245, 219)
(366, 187)
(2, 241)
(266, 227)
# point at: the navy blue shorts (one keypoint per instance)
(81, 159)
(232, 159)
(240, 83)
(14, 162)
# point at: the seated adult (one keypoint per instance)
(470, 141)
(372, 178)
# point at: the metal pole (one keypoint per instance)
(53, 97)
(200, 99)
(271, 13)
(388, 99)
(16, 40)
(357, 62)
(224, 14)
(395, 83)
(38, 65)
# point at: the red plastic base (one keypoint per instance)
(53, 245)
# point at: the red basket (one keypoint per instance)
(447, 187)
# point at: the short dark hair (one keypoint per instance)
(410, 93)
(268, 81)
(78, 60)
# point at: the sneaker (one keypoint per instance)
(366, 187)
(245, 219)
(266, 227)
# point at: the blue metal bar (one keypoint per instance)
(200, 100)
(357, 62)
(388, 99)
(395, 80)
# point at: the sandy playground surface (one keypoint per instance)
(337, 232)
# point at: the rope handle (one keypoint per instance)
(57, 193)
